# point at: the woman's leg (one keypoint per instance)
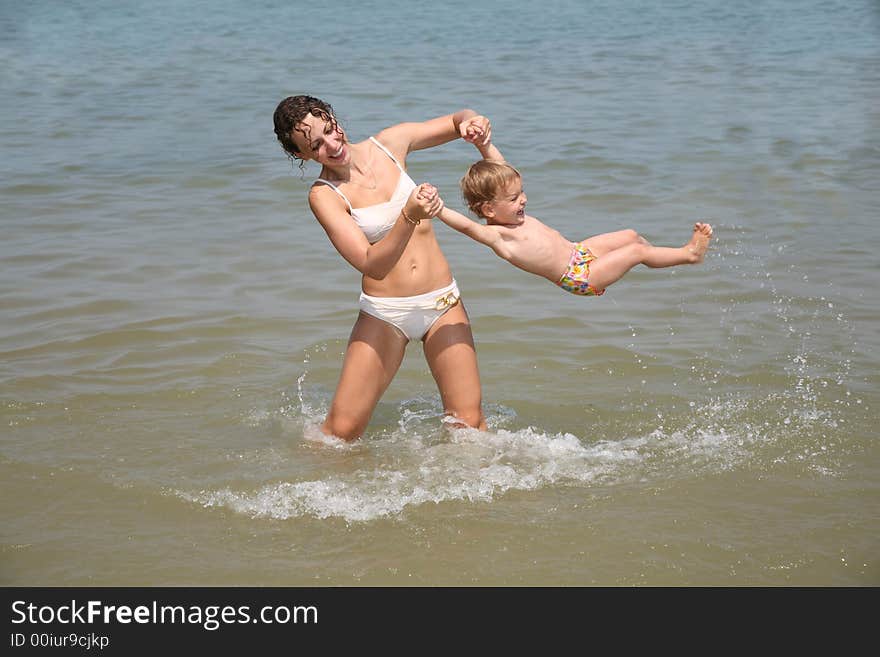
(375, 351)
(450, 352)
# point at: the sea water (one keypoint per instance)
(174, 319)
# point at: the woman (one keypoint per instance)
(379, 221)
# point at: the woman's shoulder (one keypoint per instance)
(394, 138)
(324, 196)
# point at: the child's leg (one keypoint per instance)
(611, 266)
(602, 244)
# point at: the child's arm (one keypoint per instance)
(479, 232)
(490, 152)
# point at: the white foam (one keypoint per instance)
(470, 465)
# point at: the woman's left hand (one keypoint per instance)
(426, 200)
(476, 130)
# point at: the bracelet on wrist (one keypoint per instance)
(414, 222)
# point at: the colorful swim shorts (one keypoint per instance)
(575, 279)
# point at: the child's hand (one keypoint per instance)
(423, 203)
(476, 130)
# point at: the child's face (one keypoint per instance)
(508, 206)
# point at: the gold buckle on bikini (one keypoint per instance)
(446, 301)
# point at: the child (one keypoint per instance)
(493, 190)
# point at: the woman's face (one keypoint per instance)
(322, 141)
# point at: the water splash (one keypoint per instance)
(423, 461)
(789, 416)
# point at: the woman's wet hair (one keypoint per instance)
(290, 114)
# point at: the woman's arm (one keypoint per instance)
(404, 138)
(373, 260)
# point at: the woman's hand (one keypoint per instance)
(476, 130)
(423, 203)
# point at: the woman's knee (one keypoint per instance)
(345, 426)
(471, 417)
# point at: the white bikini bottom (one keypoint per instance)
(413, 316)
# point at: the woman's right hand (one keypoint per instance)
(476, 130)
(423, 203)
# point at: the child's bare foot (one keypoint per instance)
(699, 243)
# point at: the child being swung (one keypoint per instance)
(493, 190)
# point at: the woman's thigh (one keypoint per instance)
(372, 358)
(452, 357)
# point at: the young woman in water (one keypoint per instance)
(379, 221)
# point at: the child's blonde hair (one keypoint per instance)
(483, 182)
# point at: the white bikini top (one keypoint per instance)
(377, 220)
